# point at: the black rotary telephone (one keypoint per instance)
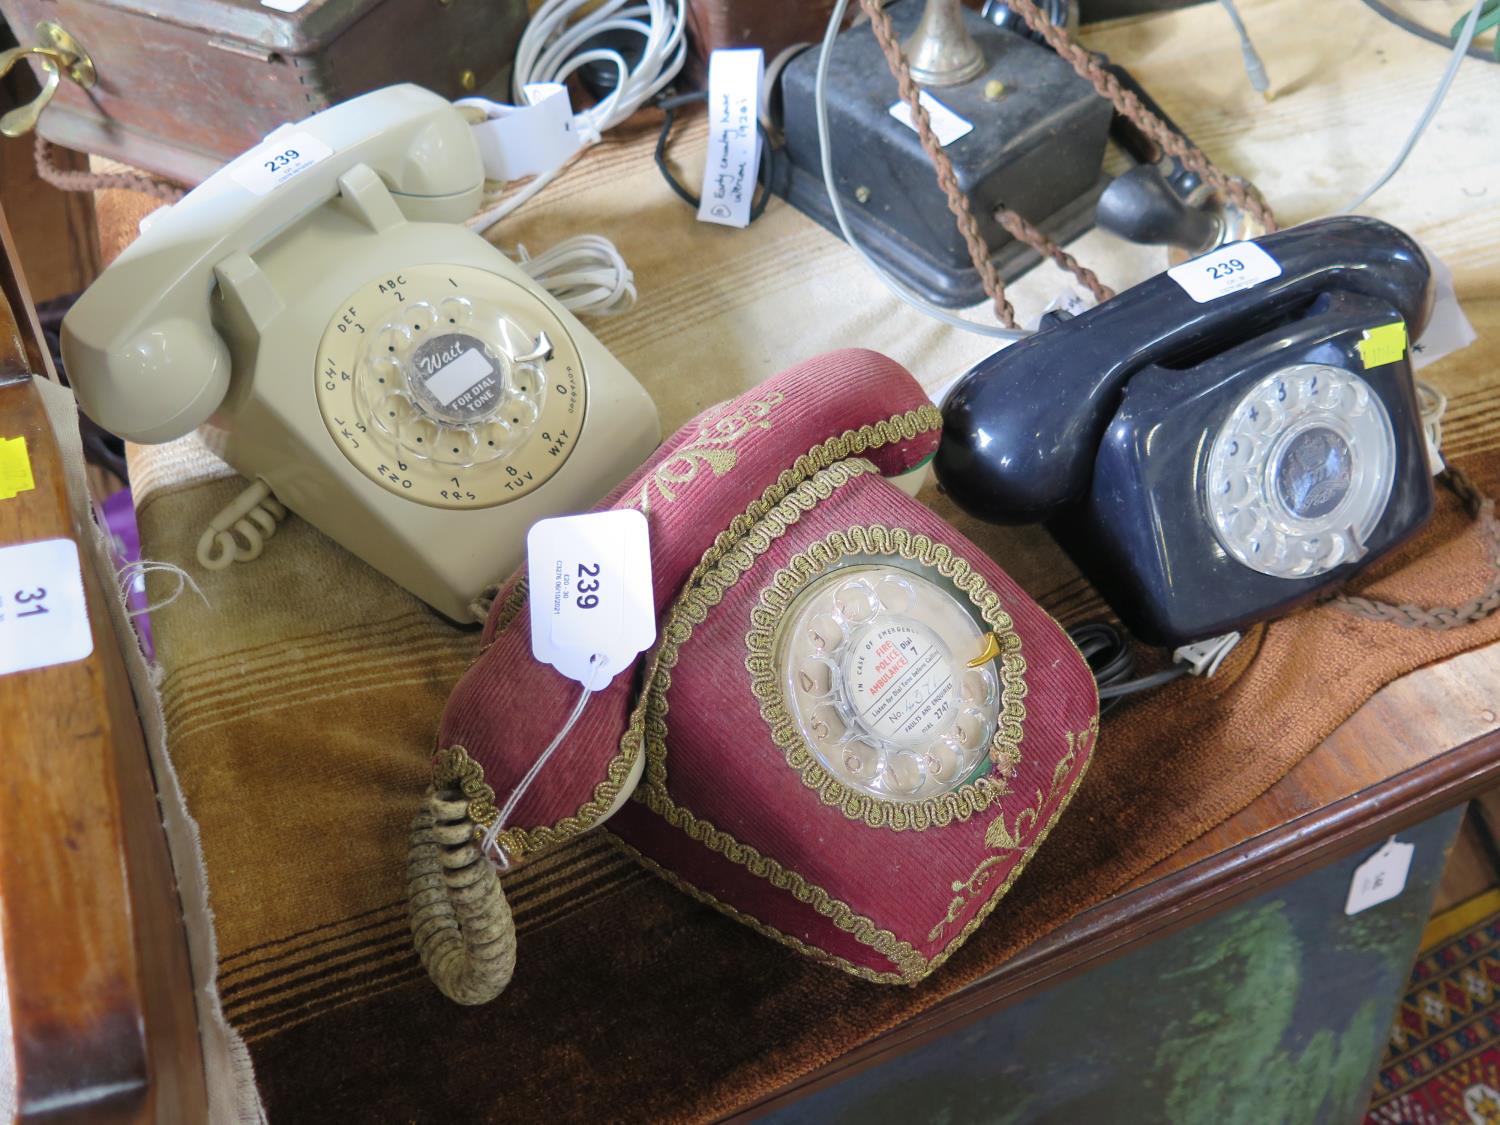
(1220, 443)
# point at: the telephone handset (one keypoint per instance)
(1221, 442)
(389, 374)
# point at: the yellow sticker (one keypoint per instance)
(1383, 345)
(15, 468)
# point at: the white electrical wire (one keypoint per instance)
(585, 273)
(1255, 70)
(825, 154)
(1460, 48)
(550, 51)
(136, 570)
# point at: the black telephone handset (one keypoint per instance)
(1221, 442)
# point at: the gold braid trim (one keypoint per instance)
(707, 590)
(519, 842)
(822, 956)
(775, 600)
(453, 768)
(1079, 742)
(911, 965)
(648, 722)
(515, 601)
(851, 443)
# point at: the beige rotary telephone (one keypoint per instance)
(384, 371)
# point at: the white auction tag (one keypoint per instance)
(1381, 877)
(1229, 269)
(1448, 329)
(948, 125)
(733, 163)
(284, 155)
(526, 140)
(44, 619)
(590, 593)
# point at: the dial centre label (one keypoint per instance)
(457, 371)
(899, 681)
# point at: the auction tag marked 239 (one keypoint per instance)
(591, 592)
(1229, 269)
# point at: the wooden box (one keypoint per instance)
(184, 85)
(771, 25)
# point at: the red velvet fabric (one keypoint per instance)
(878, 900)
(507, 707)
(723, 767)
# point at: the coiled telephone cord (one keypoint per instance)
(253, 515)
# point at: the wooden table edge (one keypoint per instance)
(1148, 912)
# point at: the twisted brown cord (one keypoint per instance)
(958, 202)
(67, 180)
(1018, 227)
(1482, 508)
(460, 921)
(1088, 65)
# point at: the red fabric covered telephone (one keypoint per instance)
(852, 732)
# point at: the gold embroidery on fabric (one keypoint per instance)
(811, 951)
(648, 723)
(519, 842)
(902, 954)
(707, 589)
(999, 838)
(515, 601)
(776, 599)
(851, 443)
(710, 447)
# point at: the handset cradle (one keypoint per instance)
(386, 372)
(1220, 442)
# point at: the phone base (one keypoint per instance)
(935, 277)
(1027, 133)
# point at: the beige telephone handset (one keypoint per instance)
(390, 375)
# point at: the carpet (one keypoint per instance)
(1443, 1063)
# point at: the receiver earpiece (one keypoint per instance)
(168, 380)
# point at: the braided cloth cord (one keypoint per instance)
(1482, 508)
(1129, 106)
(66, 179)
(1089, 66)
(1240, 192)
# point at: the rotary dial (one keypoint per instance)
(451, 386)
(1300, 473)
(872, 663)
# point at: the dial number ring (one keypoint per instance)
(451, 386)
(872, 662)
(1299, 473)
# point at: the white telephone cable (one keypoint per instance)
(1460, 48)
(585, 273)
(550, 50)
(254, 515)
